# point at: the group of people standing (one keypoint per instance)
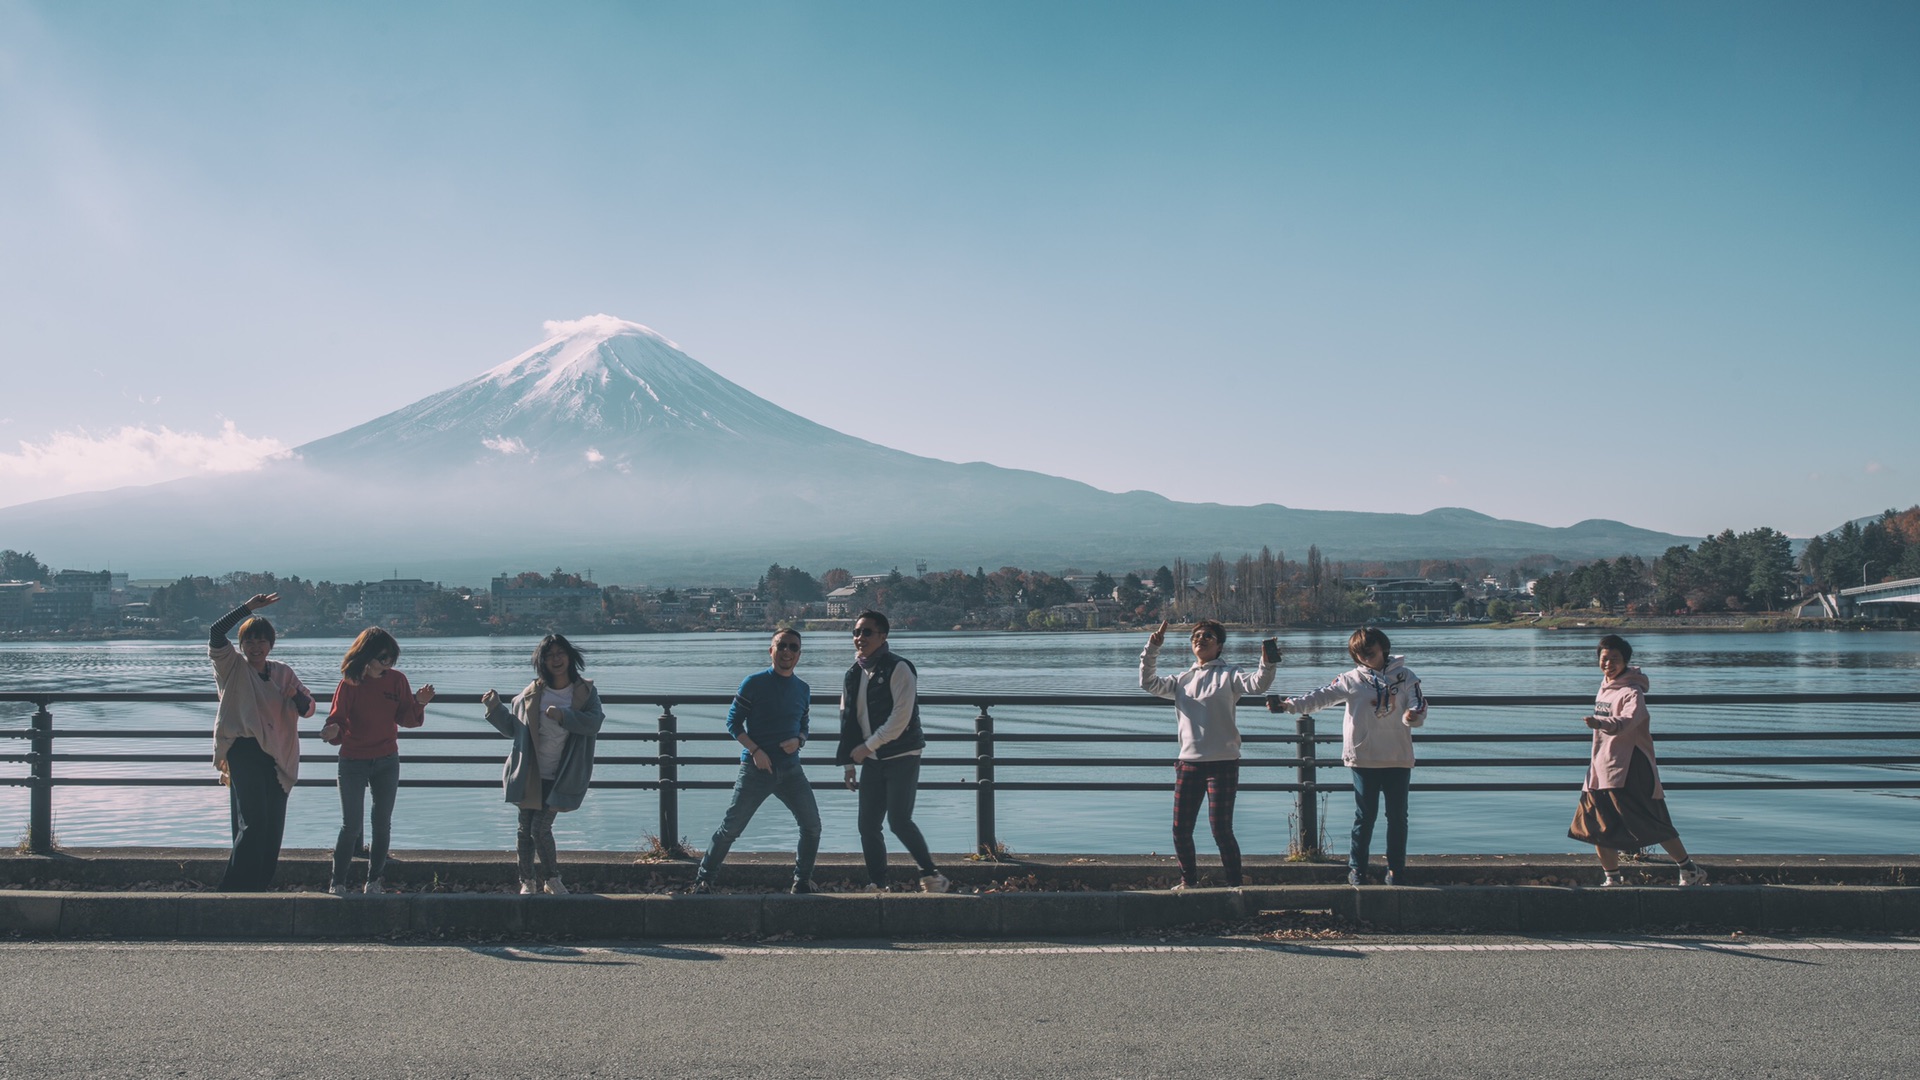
(554, 724)
(1622, 805)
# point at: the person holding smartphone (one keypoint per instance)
(1205, 698)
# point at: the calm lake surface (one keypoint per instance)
(1449, 661)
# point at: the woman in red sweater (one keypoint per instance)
(370, 706)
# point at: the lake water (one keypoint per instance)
(1449, 661)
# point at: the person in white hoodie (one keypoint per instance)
(1204, 697)
(1384, 705)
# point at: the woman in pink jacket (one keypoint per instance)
(1623, 804)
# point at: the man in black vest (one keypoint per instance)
(880, 733)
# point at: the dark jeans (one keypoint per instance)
(1219, 783)
(258, 808)
(382, 774)
(536, 836)
(787, 781)
(1368, 786)
(887, 790)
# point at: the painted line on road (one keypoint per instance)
(924, 949)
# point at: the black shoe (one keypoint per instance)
(804, 888)
(700, 885)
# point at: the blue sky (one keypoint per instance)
(1651, 262)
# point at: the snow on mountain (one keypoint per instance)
(607, 446)
(598, 391)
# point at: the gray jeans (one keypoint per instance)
(382, 774)
(536, 837)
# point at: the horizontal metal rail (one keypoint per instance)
(666, 757)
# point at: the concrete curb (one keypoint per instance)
(622, 872)
(1017, 915)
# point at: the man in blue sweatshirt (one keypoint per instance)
(769, 718)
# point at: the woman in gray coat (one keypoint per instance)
(553, 724)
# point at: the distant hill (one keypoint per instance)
(606, 447)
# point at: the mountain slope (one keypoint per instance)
(605, 446)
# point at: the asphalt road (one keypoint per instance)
(1371, 1007)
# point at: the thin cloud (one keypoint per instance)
(504, 444)
(1875, 467)
(74, 461)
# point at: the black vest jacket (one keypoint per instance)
(879, 709)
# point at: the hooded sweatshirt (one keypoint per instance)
(1204, 696)
(1376, 732)
(1622, 726)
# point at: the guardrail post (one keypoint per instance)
(40, 790)
(669, 784)
(1306, 803)
(985, 842)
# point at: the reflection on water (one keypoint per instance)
(1449, 661)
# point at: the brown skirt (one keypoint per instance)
(1628, 817)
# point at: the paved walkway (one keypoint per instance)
(1500, 1007)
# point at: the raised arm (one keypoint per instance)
(1150, 681)
(217, 634)
(1262, 677)
(497, 714)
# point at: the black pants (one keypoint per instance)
(887, 791)
(258, 805)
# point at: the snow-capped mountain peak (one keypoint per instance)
(618, 387)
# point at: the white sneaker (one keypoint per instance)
(528, 887)
(1691, 874)
(874, 886)
(555, 888)
(1612, 880)
(375, 887)
(935, 882)
(338, 890)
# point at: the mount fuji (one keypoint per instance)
(607, 447)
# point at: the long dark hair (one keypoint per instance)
(372, 644)
(575, 661)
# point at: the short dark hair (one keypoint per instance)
(373, 643)
(575, 661)
(1366, 638)
(1617, 644)
(1209, 626)
(256, 627)
(784, 631)
(877, 618)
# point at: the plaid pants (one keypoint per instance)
(1219, 782)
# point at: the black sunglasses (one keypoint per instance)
(868, 632)
(788, 646)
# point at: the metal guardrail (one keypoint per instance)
(985, 760)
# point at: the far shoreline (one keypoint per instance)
(1712, 624)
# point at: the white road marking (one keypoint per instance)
(935, 949)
